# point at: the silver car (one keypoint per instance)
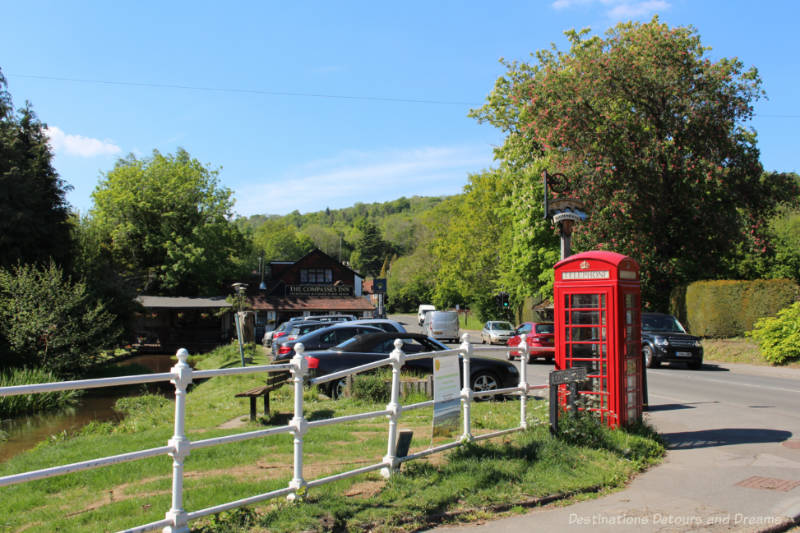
(497, 332)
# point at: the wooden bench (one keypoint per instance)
(274, 382)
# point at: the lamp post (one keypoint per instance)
(564, 211)
(240, 289)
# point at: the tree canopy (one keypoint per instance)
(34, 213)
(167, 223)
(650, 133)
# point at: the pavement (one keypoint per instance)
(723, 470)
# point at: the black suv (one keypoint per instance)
(665, 340)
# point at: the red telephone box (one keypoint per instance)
(598, 325)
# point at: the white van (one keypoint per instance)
(422, 310)
(441, 325)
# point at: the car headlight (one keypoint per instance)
(661, 341)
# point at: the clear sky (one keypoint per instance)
(312, 104)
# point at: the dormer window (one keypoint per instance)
(318, 276)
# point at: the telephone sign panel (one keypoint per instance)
(597, 301)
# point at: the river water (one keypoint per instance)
(97, 405)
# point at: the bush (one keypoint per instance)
(48, 321)
(728, 308)
(779, 336)
(11, 406)
(371, 388)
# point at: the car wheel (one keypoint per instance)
(337, 389)
(649, 359)
(510, 357)
(483, 340)
(483, 381)
(695, 365)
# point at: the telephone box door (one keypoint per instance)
(586, 343)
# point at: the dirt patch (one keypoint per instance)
(235, 423)
(365, 489)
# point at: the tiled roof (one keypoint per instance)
(299, 303)
(182, 302)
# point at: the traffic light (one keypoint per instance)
(504, 299)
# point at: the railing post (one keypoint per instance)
(398, 360)
(182, 373)
(298, 422)
(466, 390)
(524, 357)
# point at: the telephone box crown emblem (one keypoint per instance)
(584, 265)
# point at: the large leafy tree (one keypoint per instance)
(167, 222)
(280, 242)
(650, 134)
(33, 210)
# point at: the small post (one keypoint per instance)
(390, 459)
(182, 377)
(466, 390)
(553, 408)
(298, 422)
(523, 381)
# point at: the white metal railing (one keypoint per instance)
(179, 446)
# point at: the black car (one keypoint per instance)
(485, 373)
(322, 339)
(664, 340)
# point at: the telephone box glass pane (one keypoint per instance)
(588, 301)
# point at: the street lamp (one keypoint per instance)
(240, 289)
(565, 212)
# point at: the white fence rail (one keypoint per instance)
(179, 446)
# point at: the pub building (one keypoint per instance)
(316, 284)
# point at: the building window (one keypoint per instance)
(316, 275)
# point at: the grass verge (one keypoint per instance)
(502, 475)
(737, 350)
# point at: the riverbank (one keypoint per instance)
(505, 474)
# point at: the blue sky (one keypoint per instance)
(307, 105)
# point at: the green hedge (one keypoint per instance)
(729, 308)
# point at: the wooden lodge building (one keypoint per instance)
(316, 284)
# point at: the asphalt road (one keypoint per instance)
(733, 461)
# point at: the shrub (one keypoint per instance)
(779, 336)
(48, 321)
(728, 308)
(371, 388)
(11, 406)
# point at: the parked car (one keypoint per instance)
(664, 340)
(382, 323)
(279, 332)
(330, 318)
(298, 329)
(537, 335)
(441, 325)
(323, 338)
(422, 310)
(497, 332)
(485, 373)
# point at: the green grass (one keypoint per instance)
(23, 404)
(492, 476)
(736, 350)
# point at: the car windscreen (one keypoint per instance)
(545, 328)
(662, 323)
(502, 326)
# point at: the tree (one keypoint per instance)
(370, 249)
(48, 321)
(34, 213)
(649, 132)
(167, 221)
(280, 242)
